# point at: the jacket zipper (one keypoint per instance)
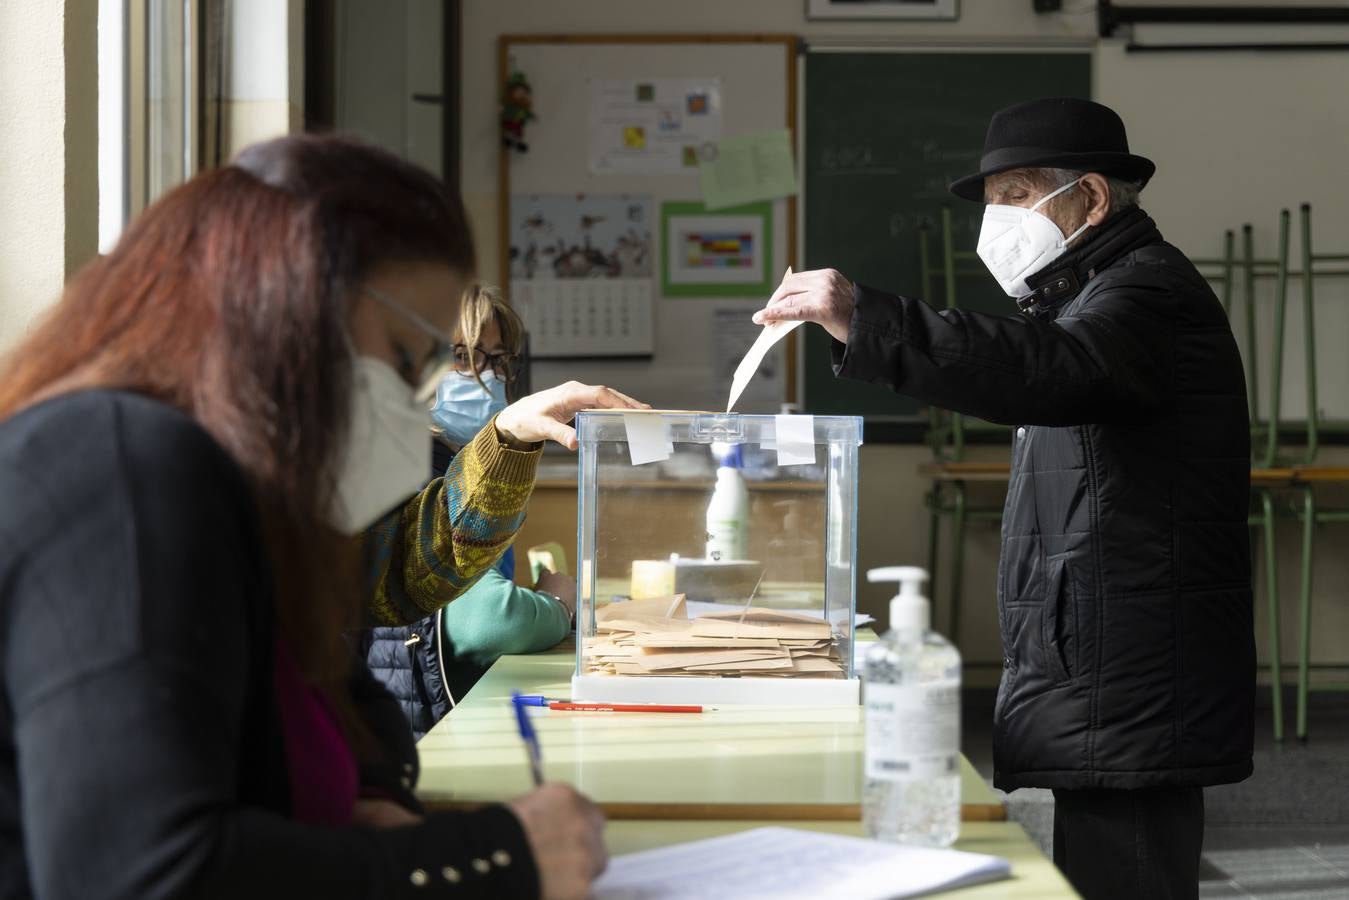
(440, 660)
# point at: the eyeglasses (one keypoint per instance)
(475, 359)
(441, 354)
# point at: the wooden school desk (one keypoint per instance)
(735, 762)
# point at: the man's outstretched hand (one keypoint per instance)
(823, 296)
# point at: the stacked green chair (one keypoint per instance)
(1222, 273)
(1308, 474)
(947, 431)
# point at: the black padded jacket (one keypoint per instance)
(1124, 594)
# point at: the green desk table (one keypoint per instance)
(735, 762)
(1033, 876)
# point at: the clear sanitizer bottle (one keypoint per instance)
(911, 698)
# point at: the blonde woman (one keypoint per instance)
(429, 665)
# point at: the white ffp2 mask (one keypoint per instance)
(1016, 242)
(387, 457)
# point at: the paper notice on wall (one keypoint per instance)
(653, 126)
(747, 168)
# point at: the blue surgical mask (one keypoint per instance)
(464, 407)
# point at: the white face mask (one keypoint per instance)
(1016, 242)
(388, 453)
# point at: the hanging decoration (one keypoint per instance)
(517, 108)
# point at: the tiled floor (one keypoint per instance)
(1285, 861)
(1283, 833)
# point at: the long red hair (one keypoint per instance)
(228, 299)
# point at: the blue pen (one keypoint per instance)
(527, 734)
(531, 700)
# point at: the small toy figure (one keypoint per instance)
(516, 110)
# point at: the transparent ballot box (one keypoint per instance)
(716, 555)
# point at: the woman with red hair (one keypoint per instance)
(188, 443)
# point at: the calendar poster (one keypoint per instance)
(581, 273)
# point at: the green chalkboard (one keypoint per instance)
(885, 134)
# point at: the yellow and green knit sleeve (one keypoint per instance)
(423, 556)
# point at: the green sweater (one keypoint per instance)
(497, 616)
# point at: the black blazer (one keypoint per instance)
(140, 748)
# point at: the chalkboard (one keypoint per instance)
(885, 134)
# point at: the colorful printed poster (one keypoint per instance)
(716, 254)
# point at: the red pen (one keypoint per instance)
(622, 707)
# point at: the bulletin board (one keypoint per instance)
(697, 334)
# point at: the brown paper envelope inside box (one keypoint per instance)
(723, 628)
(752, 665)
(647, 625)
(667, 606)
(815, 664)
(657, 641)
(724, 658)
(763, 615)
(630, 668)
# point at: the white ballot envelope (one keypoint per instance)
(744, 373)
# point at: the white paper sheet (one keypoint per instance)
(795, 440)
(771, 334)
(790, 864)
(744, 373)
(648, 437)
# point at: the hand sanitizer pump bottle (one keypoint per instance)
(728, 513)
(911, 697)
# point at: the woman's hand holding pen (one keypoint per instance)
(566, 833)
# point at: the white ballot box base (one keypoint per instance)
(708, 691)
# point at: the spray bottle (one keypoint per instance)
(728, 513)
(911, 696)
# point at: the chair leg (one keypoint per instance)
(957, 560)
(1272, 592)
(1304, 650)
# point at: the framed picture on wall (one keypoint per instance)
(716, 254)
(882, 9)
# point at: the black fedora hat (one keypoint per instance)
(1056, 132)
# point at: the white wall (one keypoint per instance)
(264, 72)
(48, 153)
(1235, 135)
(1236, 138)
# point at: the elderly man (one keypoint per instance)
(1124, 594)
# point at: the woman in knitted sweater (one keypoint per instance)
(429, 665)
